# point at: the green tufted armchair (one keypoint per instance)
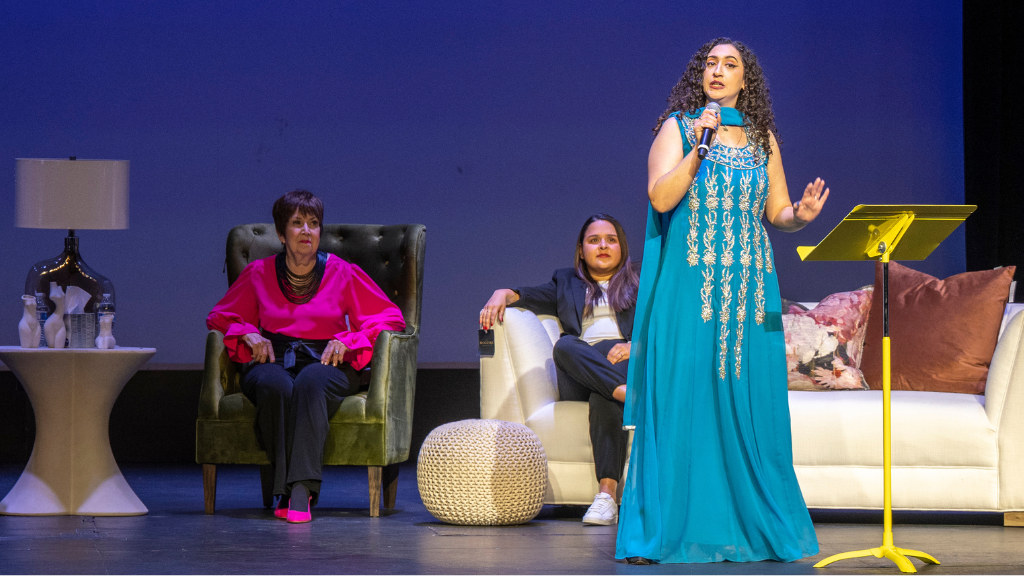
(372, 428)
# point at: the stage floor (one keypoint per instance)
(176, 537)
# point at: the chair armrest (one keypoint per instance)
(1004, 404)
(392, 376)
(393, 389)
(218, 375)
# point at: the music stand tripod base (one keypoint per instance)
(910, 232)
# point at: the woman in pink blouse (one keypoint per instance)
(285, 319)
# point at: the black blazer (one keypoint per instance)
(566, 297)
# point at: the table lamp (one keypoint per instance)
(73, 195)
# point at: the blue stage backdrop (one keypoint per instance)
(499, 125)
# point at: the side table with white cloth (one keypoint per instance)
(71, 470)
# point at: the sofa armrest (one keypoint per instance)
(499, 399)
(1004, 404)
(1009, 312)
(519, 378)
(218, 375)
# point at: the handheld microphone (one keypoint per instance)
(708, 135)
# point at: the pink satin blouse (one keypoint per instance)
(255, 301)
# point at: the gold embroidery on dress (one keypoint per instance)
(748, 157)
(754, 248)
(727, 188)
(759, 298)
(727, 258)
(723, 339)
(755, 211)
(711, 218)
(758, 256)
(692, 258)
(711, 200)
(741, 298)
(739, 347)
(691, 240)
(767, 242)
(745, 180)
(705, 294)
(728, 239)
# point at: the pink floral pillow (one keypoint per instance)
(824, 345)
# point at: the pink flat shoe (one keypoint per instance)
(281, 513)
(296, 517)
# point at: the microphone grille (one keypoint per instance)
(714, 107)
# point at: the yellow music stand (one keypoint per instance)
(908, 232)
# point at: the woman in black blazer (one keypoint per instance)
(594, 302)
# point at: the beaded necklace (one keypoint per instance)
(300, 288)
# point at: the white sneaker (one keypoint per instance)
(603, 512)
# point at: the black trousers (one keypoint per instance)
(293, 411)
(585, 374)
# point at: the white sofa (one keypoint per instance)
(950, 451)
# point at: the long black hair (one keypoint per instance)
(622, 286)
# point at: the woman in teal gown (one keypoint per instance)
(711, 470)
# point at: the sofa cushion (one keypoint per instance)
(929, 429)
(943, 332)
(824, 344)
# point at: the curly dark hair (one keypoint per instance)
(754, 101)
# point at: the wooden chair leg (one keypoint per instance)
(267, 483)
(1013, 518)
(210, 487)
(390, 481)
(374, 474)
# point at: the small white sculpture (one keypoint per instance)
(105, 341)
(54, 329)
(28, 328)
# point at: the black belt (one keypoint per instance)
(287, 348)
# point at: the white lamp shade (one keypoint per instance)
(71, 194)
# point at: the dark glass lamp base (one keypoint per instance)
(68, 269)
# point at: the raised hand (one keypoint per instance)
(809, 206)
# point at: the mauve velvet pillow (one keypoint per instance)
(942, 332)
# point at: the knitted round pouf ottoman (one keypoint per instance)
(482, 472)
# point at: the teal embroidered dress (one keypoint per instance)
(711, 470)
